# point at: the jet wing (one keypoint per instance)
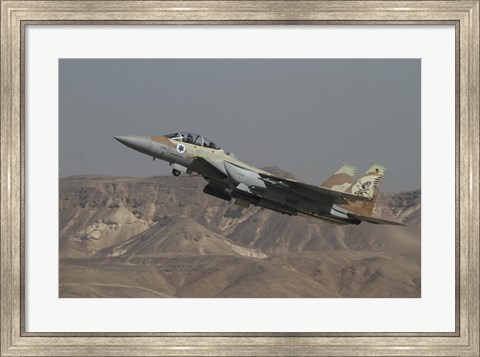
(377, 220)
(311, 191)
(205, 168)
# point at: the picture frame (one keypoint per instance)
(16, 15)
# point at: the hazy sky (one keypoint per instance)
(303, 115)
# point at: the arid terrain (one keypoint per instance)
(163, 237)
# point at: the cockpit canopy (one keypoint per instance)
(194, 139)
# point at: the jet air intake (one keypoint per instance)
(240, 175)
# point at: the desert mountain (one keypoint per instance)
(162, 236)
(179, 235)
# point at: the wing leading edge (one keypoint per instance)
(333, 196)
(309, 191)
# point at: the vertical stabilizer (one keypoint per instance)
(368, 185)
(342, 179)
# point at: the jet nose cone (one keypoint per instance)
(139, 143)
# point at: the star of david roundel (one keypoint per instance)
(181, 148)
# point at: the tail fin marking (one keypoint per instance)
(342, 179)
(368, 185)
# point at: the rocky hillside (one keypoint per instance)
(162, 236)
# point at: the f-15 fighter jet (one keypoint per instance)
(338, 200)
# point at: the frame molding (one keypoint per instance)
(16, 14)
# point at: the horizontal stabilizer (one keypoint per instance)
(377, 220)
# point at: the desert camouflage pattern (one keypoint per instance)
(368, 185)
(342, 179)
(338, 200)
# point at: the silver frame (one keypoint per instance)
(15, 15)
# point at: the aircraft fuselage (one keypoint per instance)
(229, 178)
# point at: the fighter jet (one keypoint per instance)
(338, 200)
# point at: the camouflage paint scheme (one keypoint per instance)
(338, 200)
